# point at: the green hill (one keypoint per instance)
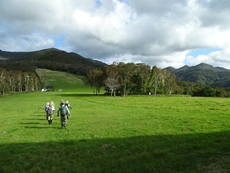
(52, 59)
(63, 81)
(203, 74)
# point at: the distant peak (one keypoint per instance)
(169, 67)
(185, 67)
(203, 64)
(50, 49)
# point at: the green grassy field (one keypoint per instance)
(63, 81)
(122, 134)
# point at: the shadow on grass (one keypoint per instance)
(163, 153)
(42, 127)
(32, 123)
(36, 119)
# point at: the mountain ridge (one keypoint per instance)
(51, 58)
(203, 74)
(60, 60)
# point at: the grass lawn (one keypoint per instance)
(122, 134)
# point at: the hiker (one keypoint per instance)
(63, 111)
(50, 113)
(46, 110)
(61, 102)
(68, 107)
(53, 105)
(67, 104)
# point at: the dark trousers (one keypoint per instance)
(63, 121)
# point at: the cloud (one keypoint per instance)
(158, 32)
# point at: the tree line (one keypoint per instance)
(130, 78)
(12, 81)
(117, 79)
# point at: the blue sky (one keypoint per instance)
(59, 41)
(175, 33)
(201, 55)
(202, 51)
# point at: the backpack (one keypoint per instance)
(63, 110)
(50, 110)
(46, 108)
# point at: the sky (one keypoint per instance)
(155, 32)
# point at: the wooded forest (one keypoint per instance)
(129, 78)
(12, 81)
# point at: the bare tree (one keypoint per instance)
(155, 78)
(2, 81)
(26, 81)
(19, 81)
(113, 85)
(170, 82)
(112, 80)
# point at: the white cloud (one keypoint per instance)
(158, 32)
(32, 42)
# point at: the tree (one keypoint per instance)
(155, 79)
(19, 81)
(140, 78)
(95, 79)
(112, 79)
(12, 81)
(26, 81)
(113, 85)
(3, 81)
(124, 77)
(170, 82)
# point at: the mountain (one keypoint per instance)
(59, 60)
(203, 74)
(53, 59)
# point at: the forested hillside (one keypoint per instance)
(52, 59)
(203, 74)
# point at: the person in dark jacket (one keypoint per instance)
(63, 112)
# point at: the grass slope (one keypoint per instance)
(122, 134)
(64, 81)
